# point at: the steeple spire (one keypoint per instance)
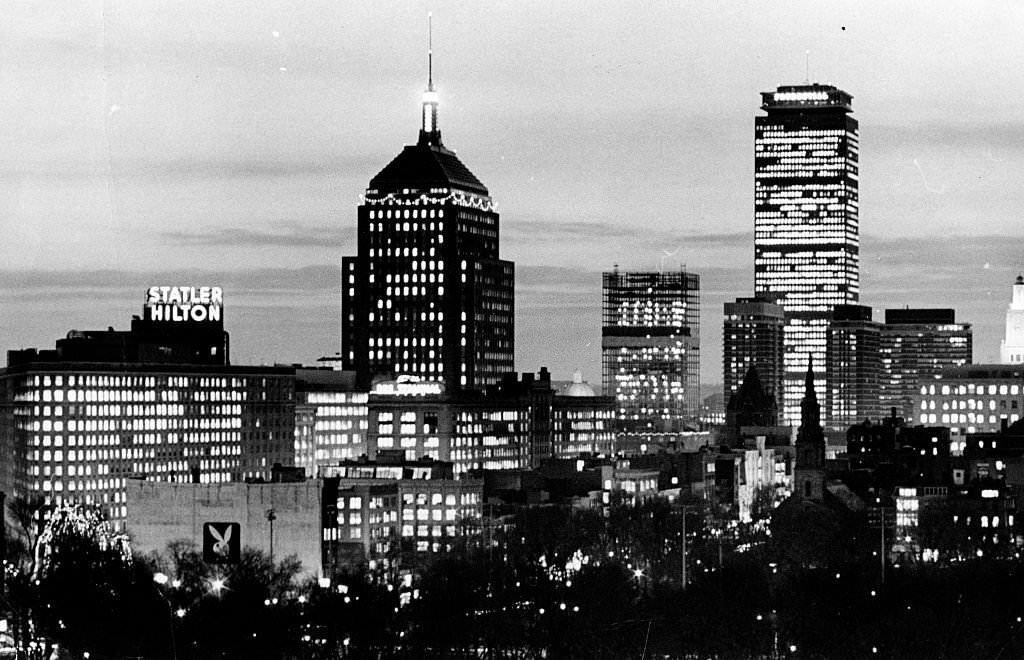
(429, 131)
(810, 410)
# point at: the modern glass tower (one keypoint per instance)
(650, 349)
(806, 244)
(427, 295)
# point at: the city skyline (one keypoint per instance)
(159, 146)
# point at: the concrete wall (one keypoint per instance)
(159, 513)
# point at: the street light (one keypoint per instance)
(161, 579)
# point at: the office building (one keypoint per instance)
(752, 336)
(977, 398)
(377, 509)
(916, 345)
(854, 367)
(514, 425)
(1011, 351)
(427, 294)
(806, 242)
(331, 418)
(650, 349)
(158, 402)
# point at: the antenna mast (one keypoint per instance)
(430, 51)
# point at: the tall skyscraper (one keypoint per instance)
(752, 336)
(427, 295)
(650, 349)
(1012, 349)
(854, 367)
(916, 345)
(806, 245)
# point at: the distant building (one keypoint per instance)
(806, 245)
(384, 508)
(512, 426)
(427, 294)
(979, 398)
(331, 418)
(1012, 349)
(158, 402)
(752, 336)
(853, 366)
(650, 349)
(916, 345)
(581, 421)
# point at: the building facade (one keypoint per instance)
(512, 426)
(650, 349)
(854, 367)
(379, 509)
(427, 294)
(916, 345)
(752, 336)
(978, 398)
(80, 420)
(806, 232)
(162, 513)
(331, 418)
(1011, 351)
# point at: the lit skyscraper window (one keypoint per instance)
(806, 248)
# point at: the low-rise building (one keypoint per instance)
(278, 519)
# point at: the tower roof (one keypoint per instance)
(425, 166)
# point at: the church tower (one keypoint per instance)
(809, 473)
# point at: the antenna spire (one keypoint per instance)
(807, 66)
(430, 51)
(429, 132)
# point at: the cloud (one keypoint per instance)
(540, 230)
(295, 236)
(256, 282)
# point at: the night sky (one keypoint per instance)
(227, 143)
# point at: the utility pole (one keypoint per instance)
(271, 517)
(684, 548)
(881, 551)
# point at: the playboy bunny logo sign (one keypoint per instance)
(221, 542)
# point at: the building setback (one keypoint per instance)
(916, 345)
(752, 336)
(650, 349)
(806, 232)
(427, 294)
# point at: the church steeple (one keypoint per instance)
(430, 133)
(809, 472)
(810, 410)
